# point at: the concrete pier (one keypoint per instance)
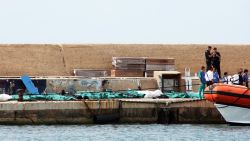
(164, 111)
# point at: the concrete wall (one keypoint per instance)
(194, 112)
(96, 84)
(71, 85)
(51, 112)
(121, 111)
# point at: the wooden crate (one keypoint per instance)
(128, 60)
(127, 73)
(128, 63)
(152, 67)
(130, 67)
(90, 73)
(149, 73)
(159, 61)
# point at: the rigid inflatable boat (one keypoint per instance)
(232, 101)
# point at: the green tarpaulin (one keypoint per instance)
(101, 95)
(49, 97)
(174, 94)
(108, 95)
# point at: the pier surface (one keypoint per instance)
(164, 111)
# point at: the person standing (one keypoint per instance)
(12, 88)
(225, 79)
(245, 77)
(209, 76)
(216, 76)
(7, 86)
(208, 57)
(237, 78)
(201, 75)
(216, 59)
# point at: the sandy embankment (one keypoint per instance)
(48, 60)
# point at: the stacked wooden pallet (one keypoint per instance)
(159, 64)
(140, 66)
(128, 67)
(88, 73)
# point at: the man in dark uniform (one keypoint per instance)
(208, 56)
(245, 77)
(216, 58)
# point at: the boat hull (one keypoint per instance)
(232, 101)
(229, 95)
(233, 114)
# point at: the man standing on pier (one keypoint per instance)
(245, 77)
(208, 57)
(201, 76)
(216, 57)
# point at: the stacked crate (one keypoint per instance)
(128, 67)
(88, 73)
(159, 64)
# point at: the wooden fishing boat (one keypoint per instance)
(232, 101)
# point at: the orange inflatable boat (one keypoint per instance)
(233, 95)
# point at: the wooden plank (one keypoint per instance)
(149, 73)
(90, 73)
(128, 60)
(130, 67)
(160, 67)
(167, 61)
(127, 73)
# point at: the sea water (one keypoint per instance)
(124, 132)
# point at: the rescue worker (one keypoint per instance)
(245, 77)
(208, 57)
(216, 58)
(216, 78)
(225, 79)
(237, 78)
(209, 76)
(201, 75)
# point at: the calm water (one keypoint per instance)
(151, 132)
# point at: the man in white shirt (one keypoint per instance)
(209, 76)
(237, 78)
(227, 79)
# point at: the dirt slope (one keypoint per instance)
(44, 60)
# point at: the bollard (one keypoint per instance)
(20, 94)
